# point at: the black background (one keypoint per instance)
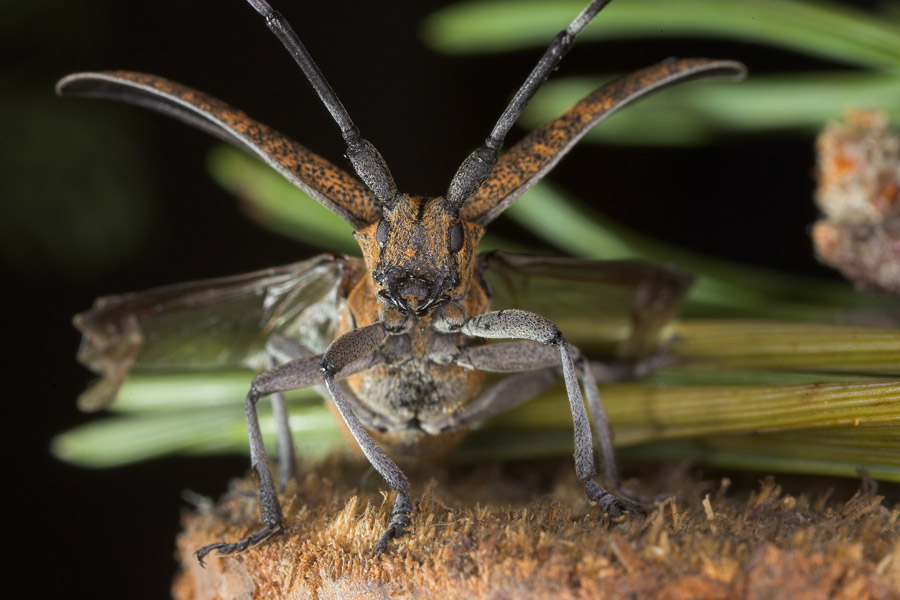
(82, 533)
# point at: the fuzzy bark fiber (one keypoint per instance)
(527, 531)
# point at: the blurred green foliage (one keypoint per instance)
(76, 196)
(866, 42)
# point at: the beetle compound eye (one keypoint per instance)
(381, 233)
(457, 236)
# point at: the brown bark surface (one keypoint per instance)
(526, 531)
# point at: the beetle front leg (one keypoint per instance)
(293, 375)
(269, 507)
(520, 324)
(351, 347)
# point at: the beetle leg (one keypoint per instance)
(512, 391)
(524, 325)
(292, 375)
(296, 374)
(542, 370)
(527, 356)
(279, 350)
(287, 460)
(284, 349)
(348, 348)
(600, 422)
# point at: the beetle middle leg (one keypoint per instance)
(281, 350)
(524, 325)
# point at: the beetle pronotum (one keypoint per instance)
(408, 324)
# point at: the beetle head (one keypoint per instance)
(421, 255)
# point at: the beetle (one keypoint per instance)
(401, 338)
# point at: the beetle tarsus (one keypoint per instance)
(223, 548)
(609, 503)
(399, 522)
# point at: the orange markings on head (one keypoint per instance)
(420, 254)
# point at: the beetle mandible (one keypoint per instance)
(405, 365)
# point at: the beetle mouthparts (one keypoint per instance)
(413, 294)
(414, 290)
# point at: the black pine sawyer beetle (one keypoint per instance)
(407, 325)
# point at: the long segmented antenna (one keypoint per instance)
(368, 163)
(476, 168)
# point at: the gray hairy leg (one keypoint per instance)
(590, 374)
(602, 430)
(295, 374)
(289, 376)
(347, 349)
(542, 367)
(535, 358)
(524, 325)
(280, 350)
(287, 461)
